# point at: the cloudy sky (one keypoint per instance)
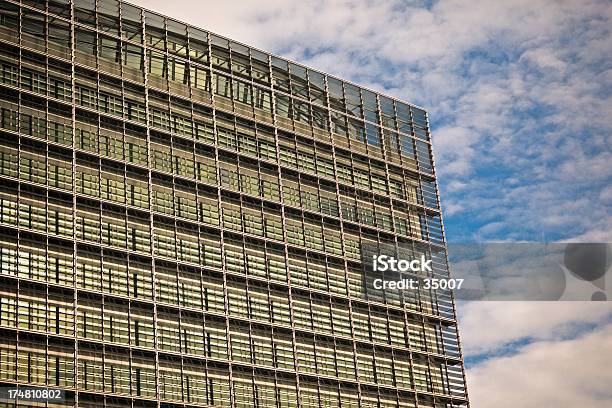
(519, 98)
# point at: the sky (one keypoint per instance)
(520, 105)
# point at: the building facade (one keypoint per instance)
(182, 220)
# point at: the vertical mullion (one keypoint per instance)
(150, 201)
(74, 205)
(284, 228)
(343, 242)
(222, 230)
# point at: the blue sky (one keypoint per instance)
(519, 97)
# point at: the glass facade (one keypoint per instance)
(182, 220)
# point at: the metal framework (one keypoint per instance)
(182, 219)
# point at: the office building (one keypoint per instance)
(182, 222)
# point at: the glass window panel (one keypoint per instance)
(108, 16)
(84, 12)
(280, 74)
(370, 106)
(388, 112)
(336, 94)
(373, 135)
(353, 100)
(131, 25)
(198, 46)
(110, 49)
(220, 53)
(260, 68)
(177, 38)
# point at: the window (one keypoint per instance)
(140, 281)
(273, 226)
(143, 377)
(161, 158)
(222, 86)
(212, 293)
(319, 118)
(9, 16)
(89, 320)
(353, 100)
(8, 207)
(356, 131)
(249, 181)
(9, 119)
(306, 356)
(110, 49)
(117, 373)
(263, 100)
(157, 64)
(112, 187)
(85, 42)
(137, 192)
(313, 235)
(301, 112)
(220, 54)
(283, 109)
(238, 299)
(32, 166)
(168, 333)
(370, 106)
(187, 245)
(210, 250)
(192, 336)
(325, 359)
(88, 271)
(243, 92)
(178, 71)
(141, 327)
(91, 370)
(260, 69)
(200, 78)
(283, 352)
(60, 131)
(88, 98)
(170, 381)
(373, 135)
(111, 104)
(424, 157)
(269, 185)
(115, 276)
(59, 218)
(167, 288)
(198, 48)
(295, 232)
(279, 307)
(31, 363)
(135, 111)
(138, 236)
(365, 365)
(88, 181)
(321, 314)
(280, 74)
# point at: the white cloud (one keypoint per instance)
(489, 326)
(491, 228)
(454, 149)
(602, 233)
(544, 58)
(551, 373)
(456, 185)
(606, 195)
(451, 208)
